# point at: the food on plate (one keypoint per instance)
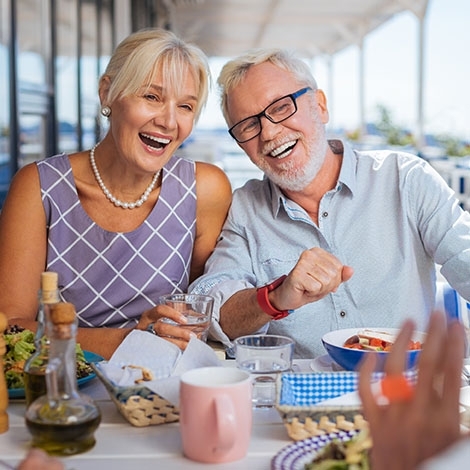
(147, 374)
(19, 346)
(371, 340)
(348, 455)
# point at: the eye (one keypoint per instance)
(152, 97)
(249, 125)
(187, 107)
(280, 108)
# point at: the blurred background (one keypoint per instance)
(395, 72)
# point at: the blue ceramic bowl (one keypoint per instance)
(349, 359)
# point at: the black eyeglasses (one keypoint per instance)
(276, 112)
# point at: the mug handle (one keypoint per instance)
(225, 423)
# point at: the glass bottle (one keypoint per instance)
(34, 372)
(62, 422)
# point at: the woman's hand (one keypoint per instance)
(407, 432)
(152, 320)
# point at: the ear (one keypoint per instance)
(322, 105)
(103, 89)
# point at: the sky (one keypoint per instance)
(391, 71)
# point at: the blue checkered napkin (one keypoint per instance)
(309, 389)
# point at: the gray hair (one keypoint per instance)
(234, 71)
(138, 57)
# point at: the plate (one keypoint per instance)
(325, 364)
(295, 456)
(89, 357)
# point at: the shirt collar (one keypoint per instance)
(347, 177)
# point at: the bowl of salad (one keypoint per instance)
(348, 346)
(19, 344)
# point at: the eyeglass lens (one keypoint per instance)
(276, 112)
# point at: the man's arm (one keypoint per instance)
(316, 274)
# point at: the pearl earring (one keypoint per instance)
(106, 111)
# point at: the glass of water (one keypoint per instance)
(196, 308)
(264, 357)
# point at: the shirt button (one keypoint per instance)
(342, 313)
(325, 214)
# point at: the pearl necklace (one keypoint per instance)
(117, 202)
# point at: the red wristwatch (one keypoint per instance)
(265, 304)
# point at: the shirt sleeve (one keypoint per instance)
(228, 270)
(443, 225)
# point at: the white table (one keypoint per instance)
(121, 446)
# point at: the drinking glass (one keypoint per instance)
(195, 307)
(264, 357)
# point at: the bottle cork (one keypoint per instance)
(49, 286)
(3, 384)
(62, 313)
(49, 280)
(63, 318)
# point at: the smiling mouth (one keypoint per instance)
(283, 150)
(154, 142)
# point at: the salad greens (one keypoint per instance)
(19, 346)
(347, 455)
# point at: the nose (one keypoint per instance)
(268, 128)
(167, 116)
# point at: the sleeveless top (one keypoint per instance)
(112, 277)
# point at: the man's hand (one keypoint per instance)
(316, 274)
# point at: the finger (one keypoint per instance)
(430, 358)
(182, 344)
(369, 404)
(169, 312)
(452, 364)
(172, 331)
(347, 273)
(396, 361)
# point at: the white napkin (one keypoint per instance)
(352, 398)
(347, 399)
(163, 359)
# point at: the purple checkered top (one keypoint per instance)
(112, 277)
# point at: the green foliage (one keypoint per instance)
(453, 146)
(393, 134)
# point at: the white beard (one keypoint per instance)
(292, 178)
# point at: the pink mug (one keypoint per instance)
(215, 414)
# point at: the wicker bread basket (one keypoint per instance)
(300, 400)
(297, 395)
(138, 404)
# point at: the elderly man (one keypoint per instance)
(331, 238)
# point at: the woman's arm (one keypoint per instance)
(23, 246)
(214, 196)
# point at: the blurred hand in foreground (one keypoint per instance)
(39, 460)
(407, 432)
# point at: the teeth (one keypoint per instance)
(282, 148)
(157, 139)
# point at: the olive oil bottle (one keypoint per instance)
(62, 422)
(34, 372)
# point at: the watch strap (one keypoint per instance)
(262, 296)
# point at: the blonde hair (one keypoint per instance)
(138, 57)
(234, 71)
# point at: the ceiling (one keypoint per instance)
(311, 27)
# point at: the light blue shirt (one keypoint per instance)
(391, 217)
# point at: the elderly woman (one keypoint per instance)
(126, 221)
